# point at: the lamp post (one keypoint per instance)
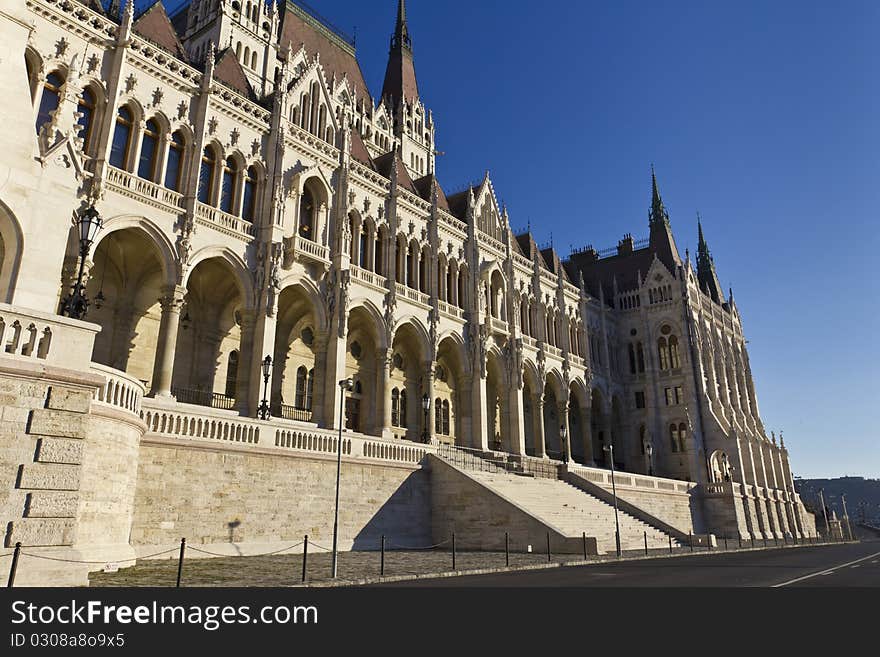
(610, 450)
(649, 450)
(846, 515)
(563, 437)
(264, 412)
(346, 385)
(824, 513)
(426, 406)
(88, 224)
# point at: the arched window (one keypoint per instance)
(121, 139)
(254, 60)
(438, 416)
(663, 353)
(674, 359)
(640, 357)
(300, 397)
(379, 251)
(50, 100)
(446, 431)
(238, 51)
(247, 55)
(206, 176)
(231, 373)
(395, 408)
(632, 359)
(402, 408)
(310, 389)
(227, 187)
(87, 105)
(249, 195)
(673, 437)
(174, 168)
(682, 437)
(461, 288)
(306, 215)
(149, 151)
(364, 247)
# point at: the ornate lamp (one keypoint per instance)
(263, 412)
(426, 406)
(88, 224)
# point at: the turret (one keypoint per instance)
(706, 275)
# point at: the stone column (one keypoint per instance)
(516, 423)
(564, 424)
(163, 367)
(431, 429)
(540, 442)
(480, 414)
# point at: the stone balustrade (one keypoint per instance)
(628, 479)
(371, 279)
(224, 222)
(46, 338)
(310, 249)
(120, 390)
(139, 189)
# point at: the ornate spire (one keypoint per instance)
(662, 243)
(706, 274)
(658, 211)
(400, 75)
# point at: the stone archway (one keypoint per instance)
(451, 402)
(296, 380)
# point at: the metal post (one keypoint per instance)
(846, 515)
(725, 542)
(740, 539)
(824, 511)
(343, 386)
(453, 551)
(610, 450)
(507, 549)
(548, 547)
(382, 563)
(670, 544)
(305, 555)
(14, 567)
(180, 561)
(646, 542)
(765, 541)
(708, 542)
(585, 546)
(691, 540)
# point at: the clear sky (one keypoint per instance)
(762, 116)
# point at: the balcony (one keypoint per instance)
(413, 295)
(498, 326)
(369, 278)
(142, 190)
(224, 222)
(300, 247)
(287, 412)
(450, 310)
(120, 390)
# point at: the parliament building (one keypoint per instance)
(208, 223)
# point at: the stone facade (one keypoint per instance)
(258, 201)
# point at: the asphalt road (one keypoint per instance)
(847, 565)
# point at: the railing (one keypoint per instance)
(224, 221)
(55, 340)
(413, 295)
(164, 421)
(140, 189)
(203, 398)
(553, 351)
(308, 441)
(478, 460)
(498, 325)
(629, 479)
(370, 278)
(451, 310)
(293, 413)
(467, 458)
(301, 245)
(529, 341)
(386, 451)
(577, 360)
(121, 390)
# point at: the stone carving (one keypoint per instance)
(344, 280)
(212, 125)
(92, 63)
(158, 94)
(130, 83)
(182, 109)
(234, 136)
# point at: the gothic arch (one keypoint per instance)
(11, 247)
(165, 249)
(239, 269)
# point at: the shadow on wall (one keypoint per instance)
(404, 519)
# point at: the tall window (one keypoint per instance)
(174, 167)
(231, 373)
(149, 151)
(438, 416)
(50, 100)
(674, 359)
(206, 176)
(395, 408)
(310, 389)
(663, 353)
(364, 250)
(249, 197)
(86, 108)
(682, 437)
(402, 408)
(306, 215)
(378, 254)
(640, 357)
(632, 359)
(227, 187)
(673, 437)
(121, 139)
(300, 398)
(446, 431)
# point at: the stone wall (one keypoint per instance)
(246, 499)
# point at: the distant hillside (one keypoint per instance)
(862, 496)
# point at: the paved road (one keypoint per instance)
(835, 565)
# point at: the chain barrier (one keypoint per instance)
(106, 561)
(239, 556)
(416, 549)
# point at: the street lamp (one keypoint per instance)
(610, 450)
(264, 413)
(649, 450)
(426, 406)
(825, 513)
(563, 436)
(846, 515)
(88, 224)
(346, 385)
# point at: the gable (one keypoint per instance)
(155, 26)
(228, 70)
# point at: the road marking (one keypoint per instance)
(856, 566)
(826, 571)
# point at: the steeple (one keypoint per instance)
(662, 243)
(400, 75)
(706, 267)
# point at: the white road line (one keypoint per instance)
(826, 571)
(856, 566)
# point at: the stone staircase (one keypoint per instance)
(571, 511)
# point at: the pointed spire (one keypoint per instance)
(658, 211)
(706, 274)
(400, 75)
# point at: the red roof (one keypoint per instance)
(425, 186)
(359, 150)
(154, 25)
(228, 70)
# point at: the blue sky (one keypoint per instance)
(757, 115)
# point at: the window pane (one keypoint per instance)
(226, 191)
(248, 200)
(148, 157)
(49, 101)
(172, 171)
(206, 174)
(120, 145)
